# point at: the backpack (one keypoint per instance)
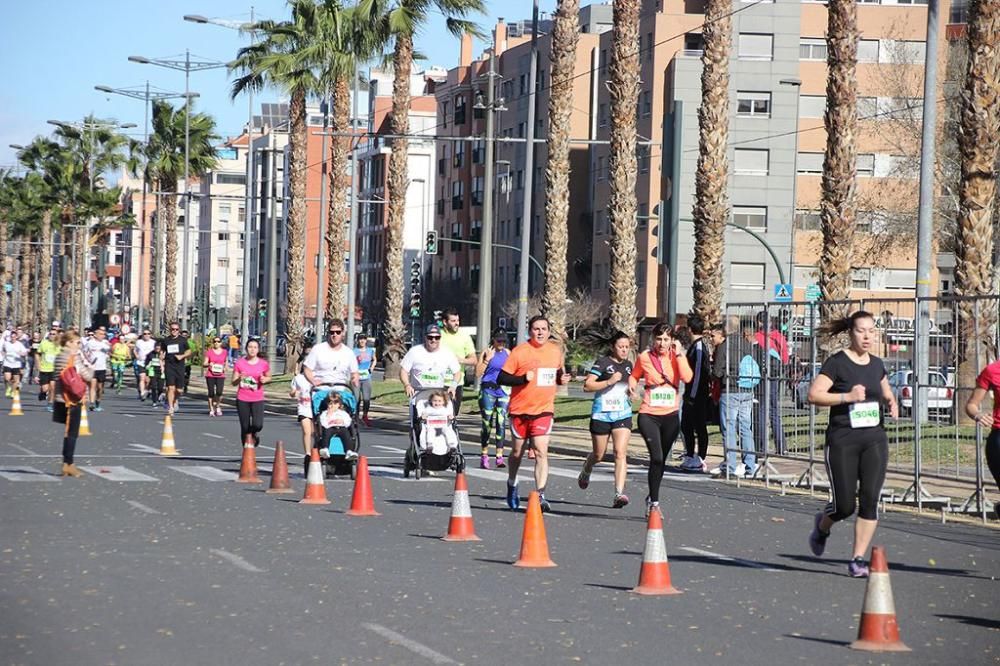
(73, 386)
(749, 372)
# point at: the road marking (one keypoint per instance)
(496, 475)
(416, 648)
(143, 447)
(726, 558)
(397, 473)
(205, 472)
(142, 507)
(116, 473)
(131, 416)
(21, 448)
(25, 474)
(208, 434)
(236, 560)
(388, 448)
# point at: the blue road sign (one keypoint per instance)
(783, 292)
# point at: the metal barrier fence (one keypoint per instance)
(932, 439)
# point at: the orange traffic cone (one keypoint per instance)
(362, 502)
(84, 423)
(279, 472)
(878, 631)
(315, 488)
(248, 466)
(654, 576)
(460, 527)
(167, 447)
(15, 407)
(534, 545)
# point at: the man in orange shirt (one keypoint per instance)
(534, 369)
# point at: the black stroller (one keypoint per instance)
(419, 459)
(339, 462)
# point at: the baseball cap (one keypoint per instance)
(432, 329)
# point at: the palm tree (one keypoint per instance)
(29, 210)
(164, 154)
(402, 19)
(979, 145)
(837, 205)
(8, 194)
(623, 85)
(711, 206)
(565, 36)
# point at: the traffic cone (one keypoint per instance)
(315, 488)
(460, 527)
(167, 443)
(878, 631)
(15, 407)
(534, 545)
(279, 473)
(248, 466)
(362, 502)
(654, 576)
(84, 423)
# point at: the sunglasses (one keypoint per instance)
(174, 329)
(433, 337)
(334, 332)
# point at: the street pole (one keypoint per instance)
(797, 84)
(352, 251)
(529, 168)
(245, 304)
(484, 314)
(272, 272)
(142, 223)
(674, 216)
(187, 188)
(317, 336)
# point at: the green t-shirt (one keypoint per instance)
(459, 344)
(48, 351)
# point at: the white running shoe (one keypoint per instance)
(693, 464)
(741, 470)
(350, 455)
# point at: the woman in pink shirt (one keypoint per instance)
(213, 369)
(250, 374)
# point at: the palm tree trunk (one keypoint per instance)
(623, 86)
(44, 269)
(398, 181)
(565, 36)
(170, 267)
(340, 211)
(837, 205)
(295, 227)
(4, 298)
(979, 146)
(26, 258)
(711, 207)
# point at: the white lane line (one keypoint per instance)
(131, 416)
(727, 558)
(396, 473)
(208, 434)
(142, 507)
(402, 641)
(89, 456)
(143, 447)
(236, 560)
(21, 448)
(388, 448)
(116, 473)
(25, 474)
(205, 472)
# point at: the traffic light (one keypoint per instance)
(431, 247)
(262, 307)
(415, 290)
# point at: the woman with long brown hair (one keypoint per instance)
(67, 403)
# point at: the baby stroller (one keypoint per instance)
(419, 460)
(337, 464)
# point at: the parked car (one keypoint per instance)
(940, 396)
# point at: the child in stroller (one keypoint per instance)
(434, 442)
(335, 430)
(437, 432)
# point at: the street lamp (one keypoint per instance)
(797, 84)
(187, 66)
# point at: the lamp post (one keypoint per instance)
(797, 84)
(187, 66)
(146, 95)
(529, 175)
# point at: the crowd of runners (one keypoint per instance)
(684, 376)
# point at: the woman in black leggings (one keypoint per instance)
(250, 374)
(664, 367)
(853, 384)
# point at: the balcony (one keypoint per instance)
(440, 207)
(457, 202)
(477, 198)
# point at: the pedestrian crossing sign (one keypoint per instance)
(783, 292)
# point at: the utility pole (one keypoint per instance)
(272, 271)
(484, 314)
(352, 251)
(529, 169)
(324, 110)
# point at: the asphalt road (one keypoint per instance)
(177, 564)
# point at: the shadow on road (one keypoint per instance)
(973, 621)
(827, 641)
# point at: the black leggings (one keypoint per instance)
(993, 454)
(215, 385)
(694, 425)
(659, 432)
(71, 434)
(855, 462)
(251, 419)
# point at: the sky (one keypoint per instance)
(53, 53)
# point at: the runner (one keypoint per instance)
(13, 352)
(48, 351)
(988, 380)
(213, 369)
(95, 351)
(176, 352)
(69, 397)
(854, 385)
(36, 341)
(332, 362)
(365, 356)
(193, 348)
(494, 400)
(140, 352)
(120, 355)
(460, 344)
(534, 369)
(664, 367)
(429, 365)
(611, 414)
(250, 374)
(154, 374)
(301, 390)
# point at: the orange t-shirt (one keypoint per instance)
(537, 396)
(662, 395)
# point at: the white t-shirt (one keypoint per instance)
(304, 401)
(430, 369)
(332, 366)
(335, 419)
(97, 353)
(13, 353)
(143, 349)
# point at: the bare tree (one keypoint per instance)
(582, 311)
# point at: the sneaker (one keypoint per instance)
(621, 501)
(741, 470)
(170, 411)
(817, 540)
(350, 456)
(721, 471)
(324, 453)
(218, 411)
(367, 421)
(41, 396)
(650, 506)
(693, 464)
(584, 479)
(685, 461)
(484, 462)
(750, 472)
(544, 503)
(211, 412)
(49, 408)
(500, 462)
(513, 500)
(857, 568)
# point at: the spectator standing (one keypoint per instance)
(694, 415)
(738, 374)
(460, 344)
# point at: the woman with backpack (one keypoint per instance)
(73, 377)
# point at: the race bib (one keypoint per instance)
(249, 383)
(173, 349)
(545, 377)
(216, 368)
(437, 422)
(431, 379)
(614, 402)
(364, 374)
(663, 396)
(865, 415)
(50, 358)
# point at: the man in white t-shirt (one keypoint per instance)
(332, 362)
(429, 365)
(144, 346)
(96, 351)
(13, 352)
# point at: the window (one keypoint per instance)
(643, 155)
(478, 151)
(694, 44)
(520, 130)
(640, 274)
(225, 209)
(455, 273)
(812, 48)
(223, 262)
(476, 230)
(457, 190)
(519, 179)
(756, 104)
(868, 50)
(459, 158)
(241, 214)
(752, 161)
(756, 46)
(901, 108)
(602, 115)
(866, 165)
(477, 191)
(900, 278)
(750, 217)
(809, 163)
(861, 278)
(456, 232)
(241, 241)
(746, 276)
(647, 104)
(224, 237)
(460, 110)
(808, 220)
(474, 277)
(522, 82)
(902, 52)
(812, 106)
(444, 114)
(649, 47)
(959, 11)
(231, 179)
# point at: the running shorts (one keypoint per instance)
(531, 425)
